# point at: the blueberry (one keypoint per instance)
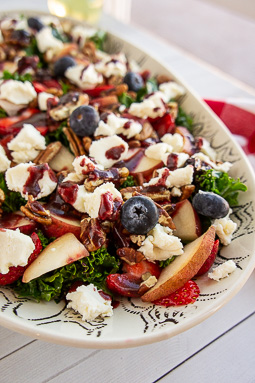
(35, 23)
(210, 205)
(84, 120)
(139, 215)
(134, 81)
(62, 65)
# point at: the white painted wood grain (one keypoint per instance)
(230, 359)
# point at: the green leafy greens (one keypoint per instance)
(221, 183)
(130, 181)
(98, 39)
(13, 200)
(58, 135)
(167, 262)
(54, 285)
(44, 240)
(3, 113)
(126, 99)
(184, 119)
(16, 76)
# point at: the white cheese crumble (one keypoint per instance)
(11, 23)
(99, 149)
(46, 41)
(84, 77)
(16, 248)
(27, 144)
(225, 228)
(17, 176)
(17, 92)
(87, 301)
(80, 34)
(161, 151)
(43, 98)
(222, 270)
(4, 161)
(89, 203)
(171, 90)
(152, 106)
(222, 167)
(175, 140)
(118, 125)
(115, 65)
(160, 244)
(208, 150)
(82, 165)
(176, 178)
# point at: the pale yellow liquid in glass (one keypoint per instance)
(88, 10)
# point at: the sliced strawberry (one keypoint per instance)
(95, 92)
(42, 129)
(141, 268)
(183, 296)
(163, 124)
(210, 260)
(4, 141)
(12, 125)
(39, 88)
(15, 272)
(123, 284)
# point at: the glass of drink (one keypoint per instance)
(88, 10)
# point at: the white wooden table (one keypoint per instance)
(221, 349)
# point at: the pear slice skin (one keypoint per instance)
(183, 268)
(64, 250)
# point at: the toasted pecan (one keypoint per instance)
(145, 133)
(92, 234)
(74, 141)
(49, 153)
(35, 211)
(130, 255)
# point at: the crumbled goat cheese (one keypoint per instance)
(176, 192)
(82, 166)
(222, 167)
(222, 270)
(17, 92)
(87, 301)
(152, 107)
(11, 23)
(46, 41)
(101, 150)
(17, 177)
(42, 100)
(160, 244)
(4, 161)
(114, 66)
(89, 203)
(118, 125)
(181, 177)
(175, 140)
(27, 144)
(16, 248)
(80, 34)
(208, 150)
(161, 151)
(171, 90)
(225, 228)
(84, 77)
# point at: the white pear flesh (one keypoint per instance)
(187, 222)
(64, 250)
(183, 268)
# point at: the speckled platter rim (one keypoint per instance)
(136, 323)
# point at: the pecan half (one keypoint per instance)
(147, 284)
(35, 211)
(49, 153)
(138, 239)
(87, 141)
(161, 195)
(145, 133)
(129, 255)
(91, 185)
(92, 234)
(173, 109)
(74, 141)
(161, 78)
(187, 190)
(164, 218)
(89, 51)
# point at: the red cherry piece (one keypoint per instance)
(183, 296)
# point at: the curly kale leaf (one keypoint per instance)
(98, 39)
(58, 135)
(130, 181)
(44, 240)
(13, 200)
(126, 99)
(151, 86)
(221, 183)
(16, 76)
(54, 285)
(184, 119)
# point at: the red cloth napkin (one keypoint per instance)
(239, 117)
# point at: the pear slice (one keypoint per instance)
(64, 250)
(183, 268)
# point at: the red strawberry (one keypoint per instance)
(210, 260)
(183, 296)
(39, 88)
(163, 124)
(12, 125)
(96, 92)
(123, 284)
(15, 272)
(141, 268)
